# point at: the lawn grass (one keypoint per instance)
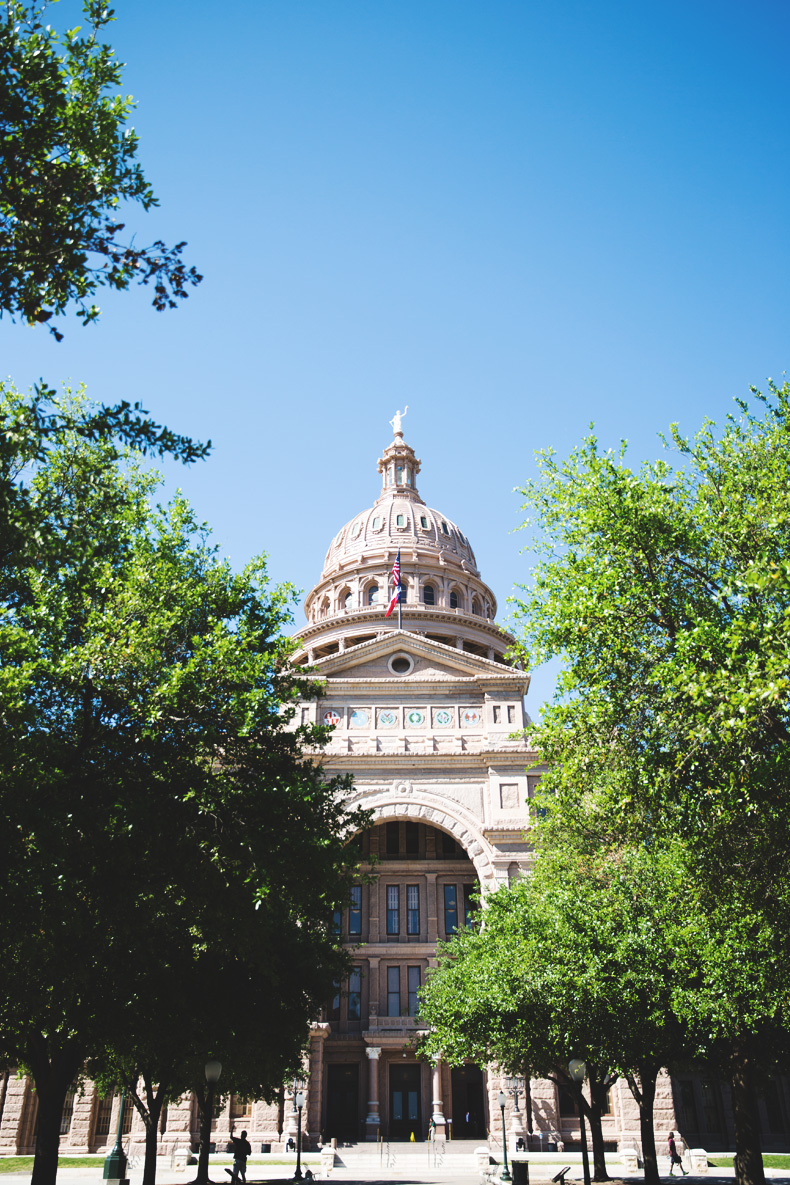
(771, 1160)
(24, 1164)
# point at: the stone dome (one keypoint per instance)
(400, 519)
(444, 597)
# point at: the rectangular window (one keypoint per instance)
(393, 909)
(337, 921)
(393, 991)
(334, 1007)
(497, 714)
(688, 1106)
(450, 910)
(568, 1104)
(103, 1115)
(710, 1106)
(412, 839)
(355, 911)
(67, 1112)
(469, 905)
(414, 987)
(241, 1106)
(412, 909)
(355, 994)
(773, 1105)
(393, 839)
(511, 714)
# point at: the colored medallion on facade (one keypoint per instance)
(470, 718)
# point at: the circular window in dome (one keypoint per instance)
(401, 664)
(377, 523)
(357, 527)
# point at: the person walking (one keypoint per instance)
(241, 1150)
(674, 1157)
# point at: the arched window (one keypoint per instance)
(476, 607)
(429, 594)
(348, 601)
(373, 594)
(453, 599)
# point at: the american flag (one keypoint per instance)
(396, 589)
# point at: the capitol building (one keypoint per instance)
(427, 714)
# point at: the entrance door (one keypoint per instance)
(342, 1102)
(405, 1110)
(469, 1118)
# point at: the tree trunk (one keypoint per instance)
(150, 1110)
(528, 1102)
(205, 1100)
(643, 1087)
(52, 1075)
(749, 1161)
(597, 1102)
(3, 1092)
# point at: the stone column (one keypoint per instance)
(373, 1118)
(431, 911)
(374, 992)
(436, 1102)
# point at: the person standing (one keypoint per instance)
(241, 1150)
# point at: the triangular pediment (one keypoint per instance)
(431, 661)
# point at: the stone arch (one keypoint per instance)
(366, 586)
(462, 830)
(455, 590)
(340, 601)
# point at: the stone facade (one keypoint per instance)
(428, 715)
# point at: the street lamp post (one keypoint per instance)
(516, 1085)
(299, 1100)
(115, 1161)
(505, 1174)
(213, 1071)
(577, 1070)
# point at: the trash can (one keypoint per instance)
(520, 1172)
(266, 1147)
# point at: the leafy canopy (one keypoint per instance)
(67, 164)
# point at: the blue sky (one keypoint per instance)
(515, 217)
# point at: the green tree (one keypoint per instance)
(67, 164)
(666, 594)
(159, 815)
(575, 961)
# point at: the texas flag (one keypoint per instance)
(396, 589)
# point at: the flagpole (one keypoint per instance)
(400, 616)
